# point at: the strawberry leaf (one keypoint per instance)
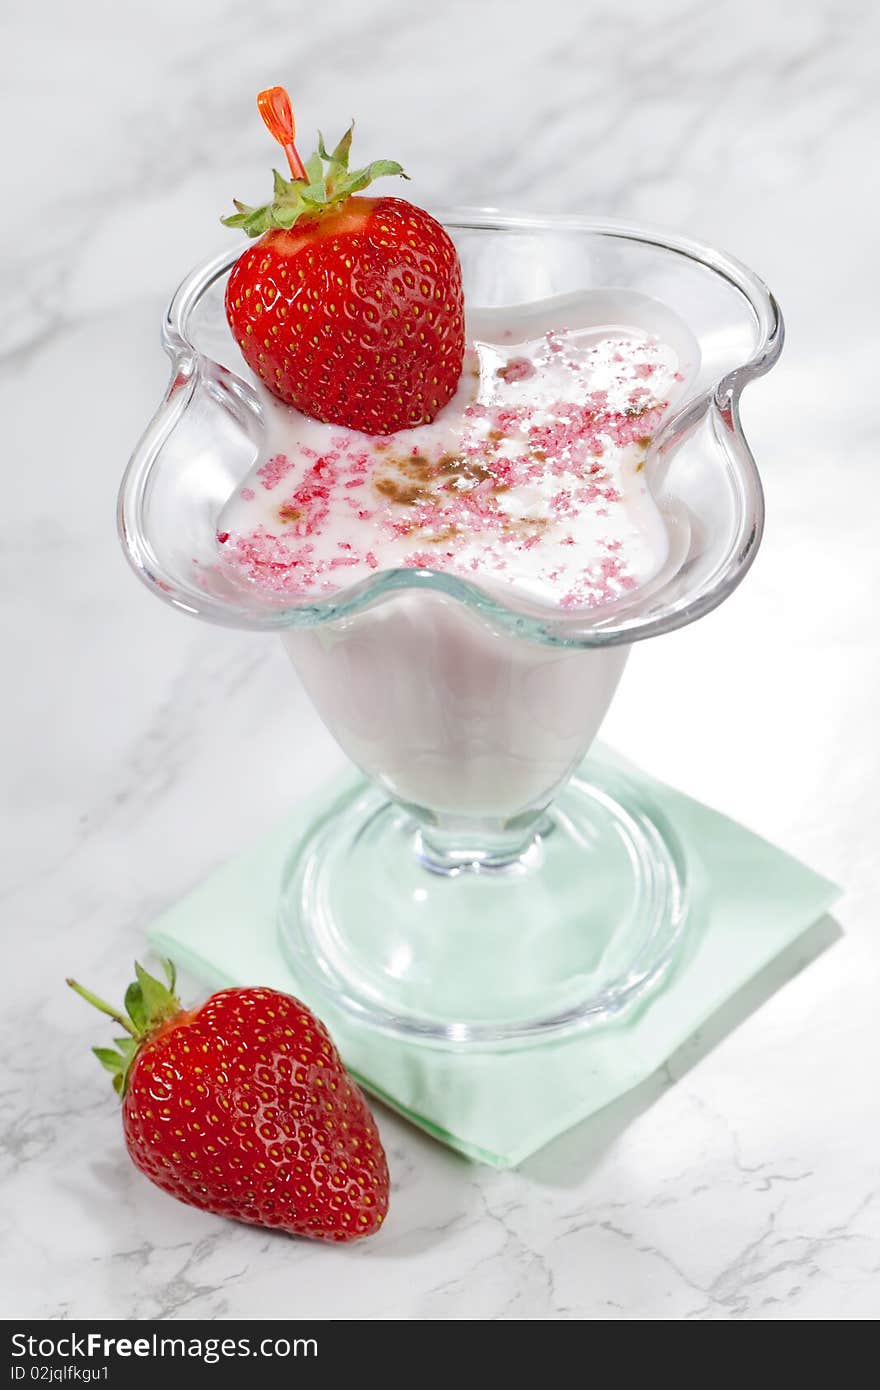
(382, 168)
(158, 1000)
(285, 216)
(134, 1006)
(354, 183)
(343, 149)
(257, 222)
(108, 1058)
(118, 1063)
(315, 193)
(314, 167)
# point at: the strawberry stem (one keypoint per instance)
(297, 168)
(104, 1007)
(277, 113)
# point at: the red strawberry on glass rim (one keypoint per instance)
(243, 1108)
(349, 308)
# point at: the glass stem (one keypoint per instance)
(452, 845)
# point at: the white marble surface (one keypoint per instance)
(742, 1183)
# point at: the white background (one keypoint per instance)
(141, 749)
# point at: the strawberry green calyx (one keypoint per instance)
(149, 1003)
(328, 184)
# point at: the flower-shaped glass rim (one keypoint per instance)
(607, 625)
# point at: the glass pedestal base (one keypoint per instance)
(568, 935)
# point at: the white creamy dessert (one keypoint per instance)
(531, 484)
(531, 478)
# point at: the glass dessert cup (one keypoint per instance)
(479, 888)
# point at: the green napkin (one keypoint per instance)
(749, 901)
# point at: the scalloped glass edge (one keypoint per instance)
(608, 625)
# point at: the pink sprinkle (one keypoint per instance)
(569, 449)
(517, 369)
(273, 470)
